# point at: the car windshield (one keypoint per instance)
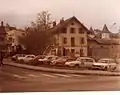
(70, 59)
(40, 57)
(48, 57)
(87, 60)
(30, 56)
(106, 61)
(21, 55)
(103, 61)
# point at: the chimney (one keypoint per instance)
(54, 23)
(1, 23)
(62, 20)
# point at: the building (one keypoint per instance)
(104, 45)
(91, 33)
(70, 37)
(13, 39)
(102, 48)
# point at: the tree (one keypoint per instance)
(38, 35)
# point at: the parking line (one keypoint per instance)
(61, 75)
(52, 76)
(31, 75)
(75, 75)
(18, 76)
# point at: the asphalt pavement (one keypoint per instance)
(14, 79)
(56, 69)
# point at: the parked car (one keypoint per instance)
(105, 64)
(35, 60)
(47, 60)
(14, 58)
(62, 60)
(26, 58)
(19, 57)
(73, 63)
(85, 62)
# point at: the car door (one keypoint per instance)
(88, 63)
(111, 64)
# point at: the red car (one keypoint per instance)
(35, 60)
(61, 61)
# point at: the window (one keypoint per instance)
(72, 30)
(73, 50)
(64, 40)
(82, 40)
(63, 30)
(81, 31)
(72, 41)
(72, 23)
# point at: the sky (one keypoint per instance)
(93, 13)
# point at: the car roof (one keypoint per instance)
(85, 58)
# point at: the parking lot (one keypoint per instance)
(67, 62)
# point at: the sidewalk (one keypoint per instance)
(56, 70)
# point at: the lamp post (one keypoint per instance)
(111, 51)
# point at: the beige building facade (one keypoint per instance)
(70, 37)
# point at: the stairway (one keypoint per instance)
(48, 49)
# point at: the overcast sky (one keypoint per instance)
(93, 13)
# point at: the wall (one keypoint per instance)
(103, 51)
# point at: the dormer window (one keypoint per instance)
(72, 23)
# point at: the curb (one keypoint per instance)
(53, 70)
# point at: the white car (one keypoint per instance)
(75, 63)
(27, 58)
(82, 62)
(20, 57)
(105, 64)
(47, 59)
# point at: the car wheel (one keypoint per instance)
(105, 68)
(112, 69)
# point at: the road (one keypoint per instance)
(14, 79)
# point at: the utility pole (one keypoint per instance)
(111, 51)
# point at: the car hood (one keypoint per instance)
(21, 57)
(42, 59)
